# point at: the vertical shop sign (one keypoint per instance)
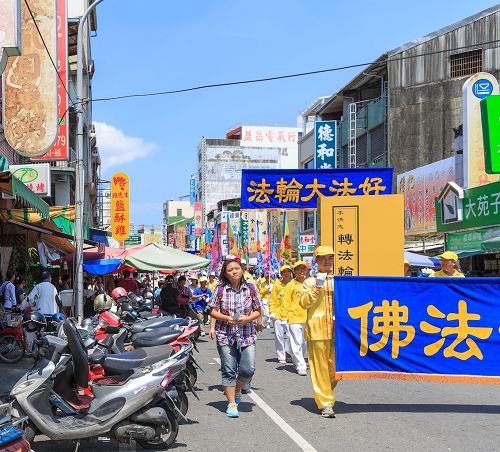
(325, 144)
(120, 206)
(346, 235)
(30, 84)
(59, 151)
(198, 219)
(10, 31)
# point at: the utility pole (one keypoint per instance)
(79, 170)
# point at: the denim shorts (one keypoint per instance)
(236, 363)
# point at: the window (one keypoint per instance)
(308, 220)
(309, 164)
(466, 63)
(179, 212)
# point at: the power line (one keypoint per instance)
(48, 53)
(287, 76)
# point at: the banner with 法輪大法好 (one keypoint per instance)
(300, 188)
(433, 329)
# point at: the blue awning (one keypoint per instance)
(98, 236)
(101, 266)
(418, 260)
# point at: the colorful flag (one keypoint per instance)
(216, 251)
(258, 268)
(207, 241)
(233, 244)
(202, 246)
(299, 257)
(286, 247)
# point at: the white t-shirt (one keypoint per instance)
(44, 297)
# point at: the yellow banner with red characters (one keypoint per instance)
(120, 206)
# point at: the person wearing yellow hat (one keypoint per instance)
(448, 261)
(296, 317)
(278, 315)
(265, 286)
(406, 268)
(317, 300)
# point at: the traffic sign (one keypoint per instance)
(490, 117)
(482, 88)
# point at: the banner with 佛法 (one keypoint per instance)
(432, 329)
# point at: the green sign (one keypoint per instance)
(481, 207)
(133, 239)
(470, 240)
(490, 117)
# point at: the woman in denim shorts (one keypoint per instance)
(235, 305)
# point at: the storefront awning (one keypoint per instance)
(12, 186)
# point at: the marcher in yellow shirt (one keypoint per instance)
(265, 286)
(212, 282)
(296, 316)
(276, 313)
(317, 299)
(448, 260)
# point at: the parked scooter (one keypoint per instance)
(130, 405)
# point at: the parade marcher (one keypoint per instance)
(265, 287)
(248, 276)
(212, 282)
(44, 297)
(235, 305)
(317, 300)
(201, 297)
(128, 283)
(296, 316)
(277, 314)
(448, 261)
(8, 294)
(406, 268)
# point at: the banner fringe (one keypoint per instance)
(434, 378)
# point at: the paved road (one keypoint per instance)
(372, 415)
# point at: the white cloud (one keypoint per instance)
(116, 148)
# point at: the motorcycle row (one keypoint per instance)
(122, 374)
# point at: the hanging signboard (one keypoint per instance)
(30, 107)
(10, 31)
(35, 176)
(301, 188)
(120, 206)
(431, 329)
(59, 150)
(198, 219)
(306, 244)
(325, 144)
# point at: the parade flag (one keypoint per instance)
(430, 329)
(275, 264)
(286, 247)
(202, 245)
(258, 268)
(299, 257)
(233, 244)
(207, 241)
(216, 251)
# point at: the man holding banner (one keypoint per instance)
(317, 300)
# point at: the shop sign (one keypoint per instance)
(481, 207)
(301, 188)
(325, 144)
(59, 151)
(192, 190)
(198, 219)
(35, 176)
(30, 107)
(490, 116)
(470, 240)
(10, 31)
(306, 244)
(133, 239)
(255, 136)
(420, 187)
(120, 206)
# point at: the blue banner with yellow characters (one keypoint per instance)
(300, 188)
(433, 329)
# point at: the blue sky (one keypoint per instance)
(158, 45)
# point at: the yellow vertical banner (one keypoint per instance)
(346, 240)
(120, 206)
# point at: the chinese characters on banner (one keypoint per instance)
(269, 136)
(59, 150)
(346, 234)
(120, 206)
(306, 244)
(198, 219)
(325, 144)
(414, 328)
(300, 189)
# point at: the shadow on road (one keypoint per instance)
(346, 408)
(243, 407)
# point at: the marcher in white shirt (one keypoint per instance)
(44, 296)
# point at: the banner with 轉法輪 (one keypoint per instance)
(431, 329)
(300, 188)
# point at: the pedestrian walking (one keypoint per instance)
(317, 300)
(201, 297)
(44, 297)
(448, 261)
(278, 315)
(8, 295)
(235, 305)
(296, 317)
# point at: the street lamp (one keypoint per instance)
(80, 175)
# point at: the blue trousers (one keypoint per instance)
(236, 363)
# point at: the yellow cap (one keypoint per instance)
(323, 251)
(203, 279)
(406, 262)
(285, 267)
(298, 264)
(449, 255)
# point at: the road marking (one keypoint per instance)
(279, 421)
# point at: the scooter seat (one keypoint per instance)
(156, 337)
(148, 315)
(122, 362)
(158, 322)
(97, 357)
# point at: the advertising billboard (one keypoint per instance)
(120, 206)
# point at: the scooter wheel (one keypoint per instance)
(165, 434)
(30, 431)
(11, 349)
(181, 402)
(192, 373)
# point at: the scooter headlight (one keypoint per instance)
(22, 387)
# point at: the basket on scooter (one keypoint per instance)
(8, 319)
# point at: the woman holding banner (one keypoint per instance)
(317, 300)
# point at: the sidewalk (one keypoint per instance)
(12, 372)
